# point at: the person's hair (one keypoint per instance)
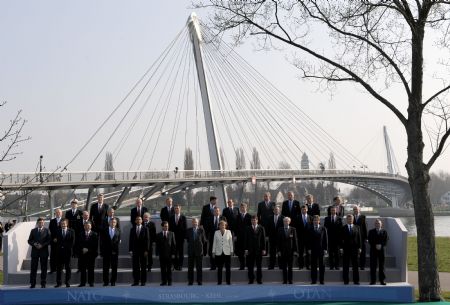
(88, 223)
(254, 217)
(243, 204)
(316, 217)
(304, 206)
(164, 223)
(147, 213)
(336, 198)
(64, 220)
(223, 222)
(350, 215)
(39, 219)
(212, 198)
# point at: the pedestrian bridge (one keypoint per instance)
(392, 188)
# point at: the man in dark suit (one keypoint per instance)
(110, 214)
(243, 221)
(265, 211)
(304, 221)
(230, 213)
(138, 210)
(53, 227)
(166, 247)
(65, 241)
(168, 210)
(39, 240)
(196, 238)
(152, 233)
(74, 215)
(333, 224)
(109, 250)
(139, 241)
(255, 248)
(205, 222)
(97, 213)
(350, 248)
(178, 225)
(317, 248)
(378, 238)
(87, 254)
(313, 207)
(286, 249)
(337, 203)
(291, 208)
(275, 224)
(79, 229)
(360, 221)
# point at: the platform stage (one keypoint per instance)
(236, 293)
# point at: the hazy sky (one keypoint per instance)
(67, 64)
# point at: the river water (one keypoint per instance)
(441, 225)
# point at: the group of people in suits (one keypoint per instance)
(281, 232)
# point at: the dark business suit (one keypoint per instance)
(291, 213)
(87, 260)
(302, 235)
(287, 245)
(334, 229)
(339, 210)
(377, 256)
(242, 222)
(39, 255)
(313, 209)
(205, 221)
(272, 233)
(65, 244)
(255, 243)
(231, 215)
(166, 213)
(134, 214)
(195, 241)
(53, 227)
(350, 243)
(109, 250)
(139, 245)
(97, 215)
(179, 229)
(152, 233)
(166, 247)
(265, 213)
(360, 221)
(73, 219)
(317, 244)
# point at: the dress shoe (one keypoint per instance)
(42, 285)
(162, 284)
(32, 286)
(78, 271)
(169, 284)
(67, 285)
(91, 285)
(372, 283)
(190, 284)
(362, 268)
(149, 269)
(113, 284)
(250, 282)
(345, 283)
(336, 268)
(290, 282)
(300, 268)
(219, 283)
(105, 284)
(322, 283)
(228, 283)
(356, 283)
(241, 268)
(307, 268)
(313, 283)
(57, 285)
(383, 283)
(270, 268)
(142, 284)
(135, 284)
(51, 272)
(81, 285)
(259, 282)
(212, 268)
(284, 283)
(200, 283)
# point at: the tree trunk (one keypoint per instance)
(419, 178)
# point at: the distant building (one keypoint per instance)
(445, 198)
(305, 162)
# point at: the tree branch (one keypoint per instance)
(435, 96)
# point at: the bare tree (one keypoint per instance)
(240, 159)
(256, 162)
(377, 45)
(12, 137)
(284, 165)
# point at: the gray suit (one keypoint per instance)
(195, 253)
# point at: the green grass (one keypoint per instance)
(1, 277)
(445, 295)
(443, 253)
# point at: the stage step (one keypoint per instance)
(124, 275)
